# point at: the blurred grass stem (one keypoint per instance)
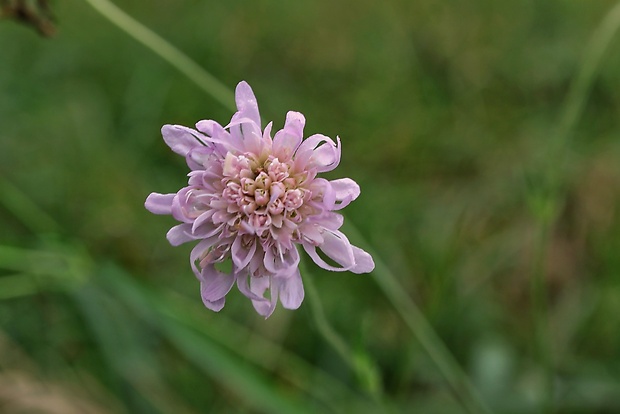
(580, 86)
(166, 51)
(322, 323)
(538, 293)
(457, 380)
(26, 210)
(364, 368)
(554, 172)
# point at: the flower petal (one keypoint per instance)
(243, 286)
(241, 255)
(199, 251)
(247, 132)
(198, 157)
(326, 156)
(214, 285)
(287, 140)
(318, 151)
(324, 193)
(278, 261)
(179, 234)
(246, 102)
(328, 220)
(218, 136)
(158, 203)
(363, 261)
(337, 247)
(346, 190)
(216, 305)
(181, 139)
(203, 226)
(178, 212)
(291, 291)
(311, 233)
(267, 134)
(258, 286)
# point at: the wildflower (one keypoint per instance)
(253, 199)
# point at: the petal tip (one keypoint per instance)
(363, 261)
(158, 203)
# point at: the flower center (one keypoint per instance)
(262, 194)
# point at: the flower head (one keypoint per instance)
(252, 198)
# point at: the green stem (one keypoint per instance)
(580, 87)
(166, 51)
(26, 210)
(576, 99)
(457, 380)
(538, 294)
(323, 325)
(18, 285)
(363, 367)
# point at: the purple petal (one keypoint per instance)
(311, 233)
(318, 151)
(246, 102)
(180, 234)
(206, 126)
(198, 157)
(267, 134)
(305, 150)
(328, 220)
(258, 285)
(322, 189)
(326, 157)
(337, 247)
(178, 212)
(214, 284)
(218, 136)
(241, 255)
(287, 140)
(242, 284)
(346, 191)
(216, 305)
(181, 139)
(363, 261)
(291, 291)
(282, 262)
(247, 132)
(203, 226)
(198, 251)
(159, 203)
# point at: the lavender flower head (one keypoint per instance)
(253, 198)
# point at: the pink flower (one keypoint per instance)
(253, 198)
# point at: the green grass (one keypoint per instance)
(490, 193)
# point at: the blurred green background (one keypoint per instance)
(445, 111)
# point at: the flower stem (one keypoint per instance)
(166, 51)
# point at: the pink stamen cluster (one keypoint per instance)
(263, 198)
